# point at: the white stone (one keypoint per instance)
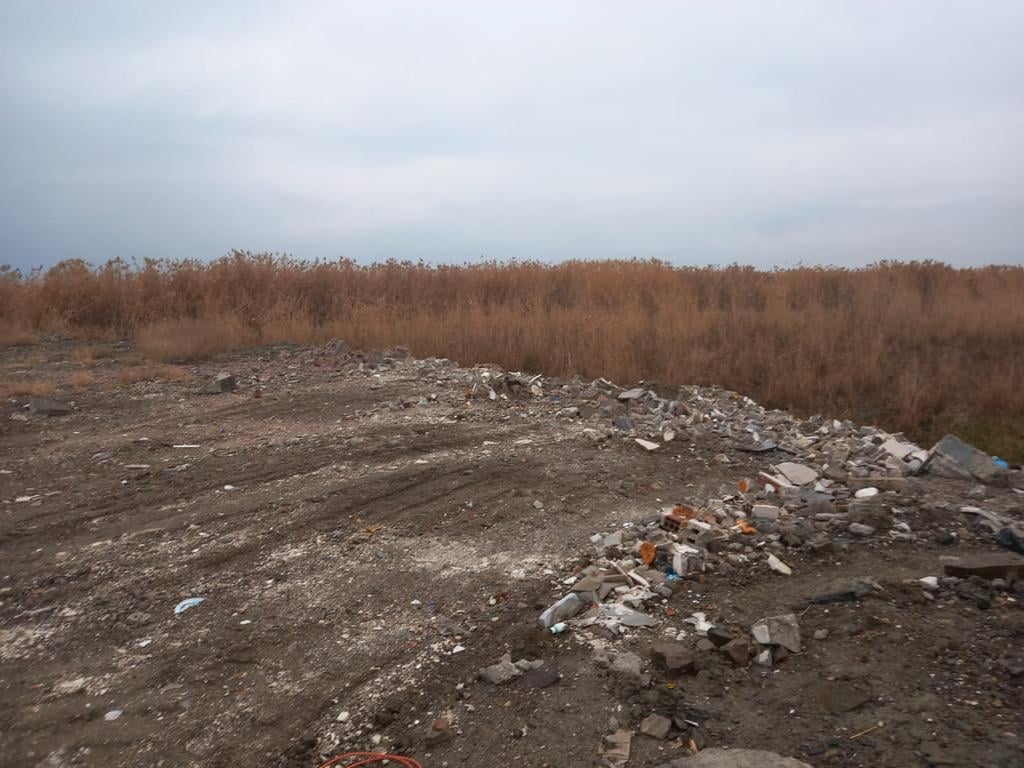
(899, 450)
(778, 566)
(797, 474)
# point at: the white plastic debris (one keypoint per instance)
(184, 605)
(700, 622)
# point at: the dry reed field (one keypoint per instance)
(919, 347)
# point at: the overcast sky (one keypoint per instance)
(698, 131)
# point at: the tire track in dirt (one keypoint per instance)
(141, 507)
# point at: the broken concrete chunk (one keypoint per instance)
(1008, 567)
(883, 483)
(899, 450)
(719, 636)
(632, 394)
(797, 474)
(588, 584)
(502, 672)
(647, 444)
(844, 590)
(778, 566)
(626, 616)
(738, 650)
(626, 662)
(613, 539)
(564, 609)
(952, 457)
(656, 726)
(765, 512)
(672, 658)
(219, 384)
(783, 630)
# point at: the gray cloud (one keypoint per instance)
(701, 132)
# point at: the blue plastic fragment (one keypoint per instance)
(184, 605)
(1001, 462)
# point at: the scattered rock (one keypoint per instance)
(738, 650)
(656, 726)
(70, 687)
(502, 672)
(859, 529)
(781, 630)
(1008, 567)
(219, 384)
(672, 658)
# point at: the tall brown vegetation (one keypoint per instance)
(920, 347)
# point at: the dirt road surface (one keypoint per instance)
(366, 539)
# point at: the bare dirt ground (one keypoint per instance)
(367, 539)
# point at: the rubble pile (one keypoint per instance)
(788, 506)
(825, 485)
(829, 477)
(838, 451)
